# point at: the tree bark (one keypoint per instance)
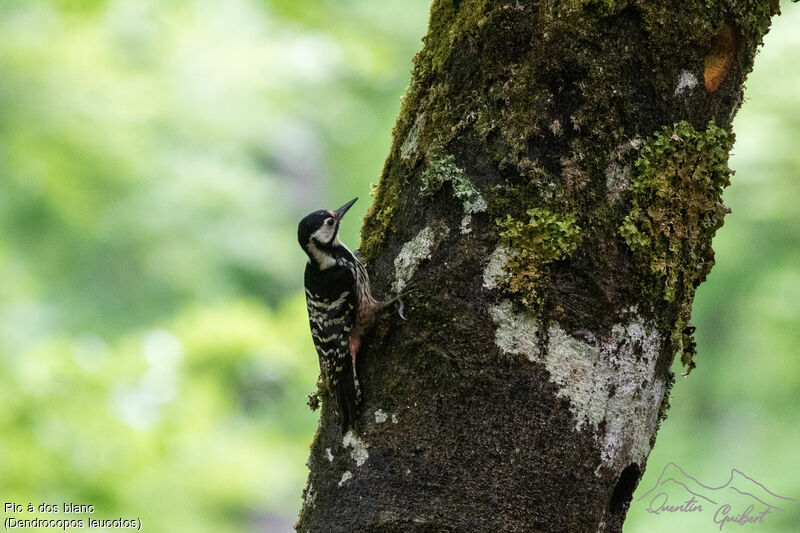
(553, 186)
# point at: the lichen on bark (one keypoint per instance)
(414, 252)
(534, 244)
(573, 121)
(444, 170)
(676, 210)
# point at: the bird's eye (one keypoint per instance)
(329, 222)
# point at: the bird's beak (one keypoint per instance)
(342, 210)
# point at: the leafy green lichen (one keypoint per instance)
(440, 171)
(444, 169)
(677, 208)
(533, 245)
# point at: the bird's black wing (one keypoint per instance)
(331, 314)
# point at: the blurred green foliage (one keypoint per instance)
(154, 160)
(740, 408)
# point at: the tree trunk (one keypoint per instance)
(551, 193)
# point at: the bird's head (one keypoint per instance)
(318, 232)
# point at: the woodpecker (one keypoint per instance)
(340, 305)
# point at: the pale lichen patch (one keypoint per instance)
(638, 395)
(495, 270)
(414, 252)
(329, 454)
(620, 169)
(380, 416)
(359, 452)
(687, 81)
(345, 477)
(309, 497)
(411, 141)
(472, 203)
(609, 383)
(516, 332)
(394, 419)
(612, 382)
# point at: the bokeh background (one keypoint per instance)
(155, 158)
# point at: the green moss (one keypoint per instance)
(534, 244)
(449, 20)
(511, 199)
(379, 216)
(750, 16)
(313, 401)
(605, 7)
(519, 109)
(677, 208)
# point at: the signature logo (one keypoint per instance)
(741, 500)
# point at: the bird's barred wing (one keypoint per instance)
(331, 322)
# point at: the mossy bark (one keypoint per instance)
(557, 169)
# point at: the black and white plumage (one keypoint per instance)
(340, 305)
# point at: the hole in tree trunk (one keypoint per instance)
(623, 492)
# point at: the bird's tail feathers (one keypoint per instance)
(347, 391)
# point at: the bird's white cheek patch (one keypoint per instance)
(325, 233)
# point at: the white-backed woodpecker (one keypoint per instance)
(340, 306)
